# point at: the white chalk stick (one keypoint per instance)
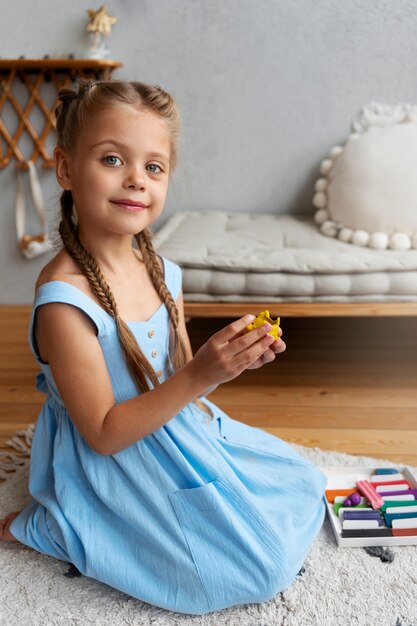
(359, 523)
(383, 488)
(401, 509)
(398, 498)
(410, 522)
(338, 499)
(386, 478)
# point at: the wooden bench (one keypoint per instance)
(289, 309)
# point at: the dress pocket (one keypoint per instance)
(233, 552)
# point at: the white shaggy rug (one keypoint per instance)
(339, 586)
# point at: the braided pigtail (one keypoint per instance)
(179, 357)
(136, 361)
(144, 241)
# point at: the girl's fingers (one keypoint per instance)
(230, 332)
(258, 350)
(237, 350)
(247, 340)
(269, 355)
(278, 346)
(241, 343)
(234, 332)
(266, 357)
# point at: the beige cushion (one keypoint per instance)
(368, 192)
(230, 257)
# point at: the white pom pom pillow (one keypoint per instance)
(367, 194)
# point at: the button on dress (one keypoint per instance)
(197, 516)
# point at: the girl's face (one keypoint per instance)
(118, 172)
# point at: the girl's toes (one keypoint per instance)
(2, 525)
(5, 534)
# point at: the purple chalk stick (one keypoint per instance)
(363, 515)
(409, 492)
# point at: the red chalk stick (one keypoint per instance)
(393, 482)
(404, 532)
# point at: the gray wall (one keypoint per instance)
(266, 88)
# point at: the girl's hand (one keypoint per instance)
(229, 352)
(270, 353)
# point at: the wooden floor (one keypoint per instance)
(346, 384)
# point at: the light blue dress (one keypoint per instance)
(197, 516)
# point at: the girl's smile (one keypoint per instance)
(130, 205)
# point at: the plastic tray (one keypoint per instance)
(345, 478)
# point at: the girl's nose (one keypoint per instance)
(135, 179)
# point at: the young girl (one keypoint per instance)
(131, 480)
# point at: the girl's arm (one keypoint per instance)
(67, 341)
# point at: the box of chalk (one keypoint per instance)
(372, 506)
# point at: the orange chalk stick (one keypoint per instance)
(332, 493)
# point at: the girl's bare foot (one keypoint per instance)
(5, 534)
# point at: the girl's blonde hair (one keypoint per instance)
(75, 110)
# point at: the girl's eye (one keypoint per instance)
(154, 168)
(112, 160)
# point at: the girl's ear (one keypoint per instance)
(62, 168)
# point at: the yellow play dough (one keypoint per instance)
(262, 318)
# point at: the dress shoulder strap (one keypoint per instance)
(61, 291)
